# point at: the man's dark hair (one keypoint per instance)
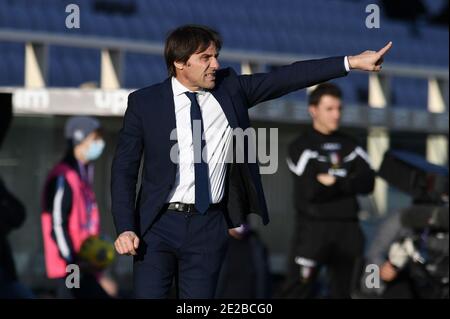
(187, 40)
(324, 89)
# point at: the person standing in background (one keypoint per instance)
(12, 216)
(330, 169)
(70, 214)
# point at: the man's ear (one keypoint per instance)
(179, 65)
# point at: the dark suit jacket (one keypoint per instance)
(150, 119)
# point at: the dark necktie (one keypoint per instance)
(201, 168)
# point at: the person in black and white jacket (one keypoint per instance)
(330, 169)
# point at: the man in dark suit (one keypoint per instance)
(190, 192)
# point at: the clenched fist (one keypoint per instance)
(127, 243)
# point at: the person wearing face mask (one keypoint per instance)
(70, 214)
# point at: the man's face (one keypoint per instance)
(199, 71)
(326, 114)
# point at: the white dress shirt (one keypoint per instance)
(346, 64)
(218, 135)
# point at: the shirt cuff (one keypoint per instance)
(347, 65)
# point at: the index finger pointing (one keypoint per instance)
(385, 49)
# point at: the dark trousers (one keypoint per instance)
(337, 245)
(185, 246)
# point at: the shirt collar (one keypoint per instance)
(179, 88)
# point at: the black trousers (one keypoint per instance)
(189, 248)
(335, 245)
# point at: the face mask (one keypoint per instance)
(95, 150)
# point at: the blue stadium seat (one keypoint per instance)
(410, 93)
(309, 27)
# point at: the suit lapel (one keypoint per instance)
(168, 119)
(166, 122)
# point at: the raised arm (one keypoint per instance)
(262, 87)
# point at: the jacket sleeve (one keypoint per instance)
(262, 87)
(125, 168)
(59, 204)
(361, 179)
(300, 163)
